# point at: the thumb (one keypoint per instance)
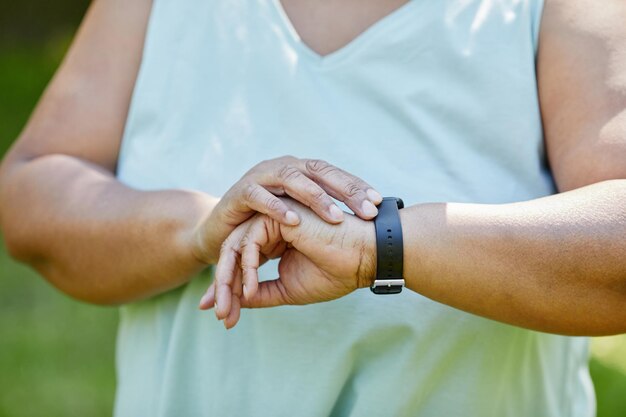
(269, 294)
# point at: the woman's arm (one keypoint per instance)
(64, 213)
(554, 264)
(62, 209)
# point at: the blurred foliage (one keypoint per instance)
(34, 21)
(57, 354)
(24, 73)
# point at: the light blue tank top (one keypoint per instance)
(435, 102)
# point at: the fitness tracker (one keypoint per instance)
(389, 250)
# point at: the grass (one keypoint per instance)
(57, 355)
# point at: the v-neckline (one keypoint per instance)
(344, 51)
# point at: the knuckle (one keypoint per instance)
(264, 163)
(317, 194)
(250, 192)
(352, 190)
(245, 241)
(273, 205)
(259, 167)
(319, 166)
(288, 173)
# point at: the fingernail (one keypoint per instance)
(335, 212)
(245, 291)
(291, 217)
(374, 195)
(215, 308)
(369, 209)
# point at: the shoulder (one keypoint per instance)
(604, 21)
(581, 69)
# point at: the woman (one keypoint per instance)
(431, 102)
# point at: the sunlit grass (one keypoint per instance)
(611, 351)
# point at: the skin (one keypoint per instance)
(101, 241)
(554, 264)
(525, 264)
(517, 265)
(326, 26)
(318, 262)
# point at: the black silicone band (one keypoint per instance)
(389, 249)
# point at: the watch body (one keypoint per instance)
(389, 248)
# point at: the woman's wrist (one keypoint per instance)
(200, 235)
(366, 270)
(412, 242)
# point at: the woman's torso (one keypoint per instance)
(435, 102)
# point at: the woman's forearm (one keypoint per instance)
(93, 237)
(555, 264)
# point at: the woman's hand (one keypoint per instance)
(319, 262)
(311, 182)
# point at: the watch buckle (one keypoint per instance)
(396, 282)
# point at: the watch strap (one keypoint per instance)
(389, 248)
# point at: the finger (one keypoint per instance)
(353, 191)
(233, 316)
(303, 189)
(255, 237)
(224, 275)
(236, 285)
(249, 267)
(259, 199)
(208, 299)
(223, 301)
(255, 248)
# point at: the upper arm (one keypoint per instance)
(83, 110)
(582, 88)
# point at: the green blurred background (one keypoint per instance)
(57, 354)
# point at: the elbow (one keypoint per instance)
(15, 235)
(14, 241)
(12, 232)
(95, 285)
(70, 286)
(15, 248)
(77, 287)
(22, 219)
